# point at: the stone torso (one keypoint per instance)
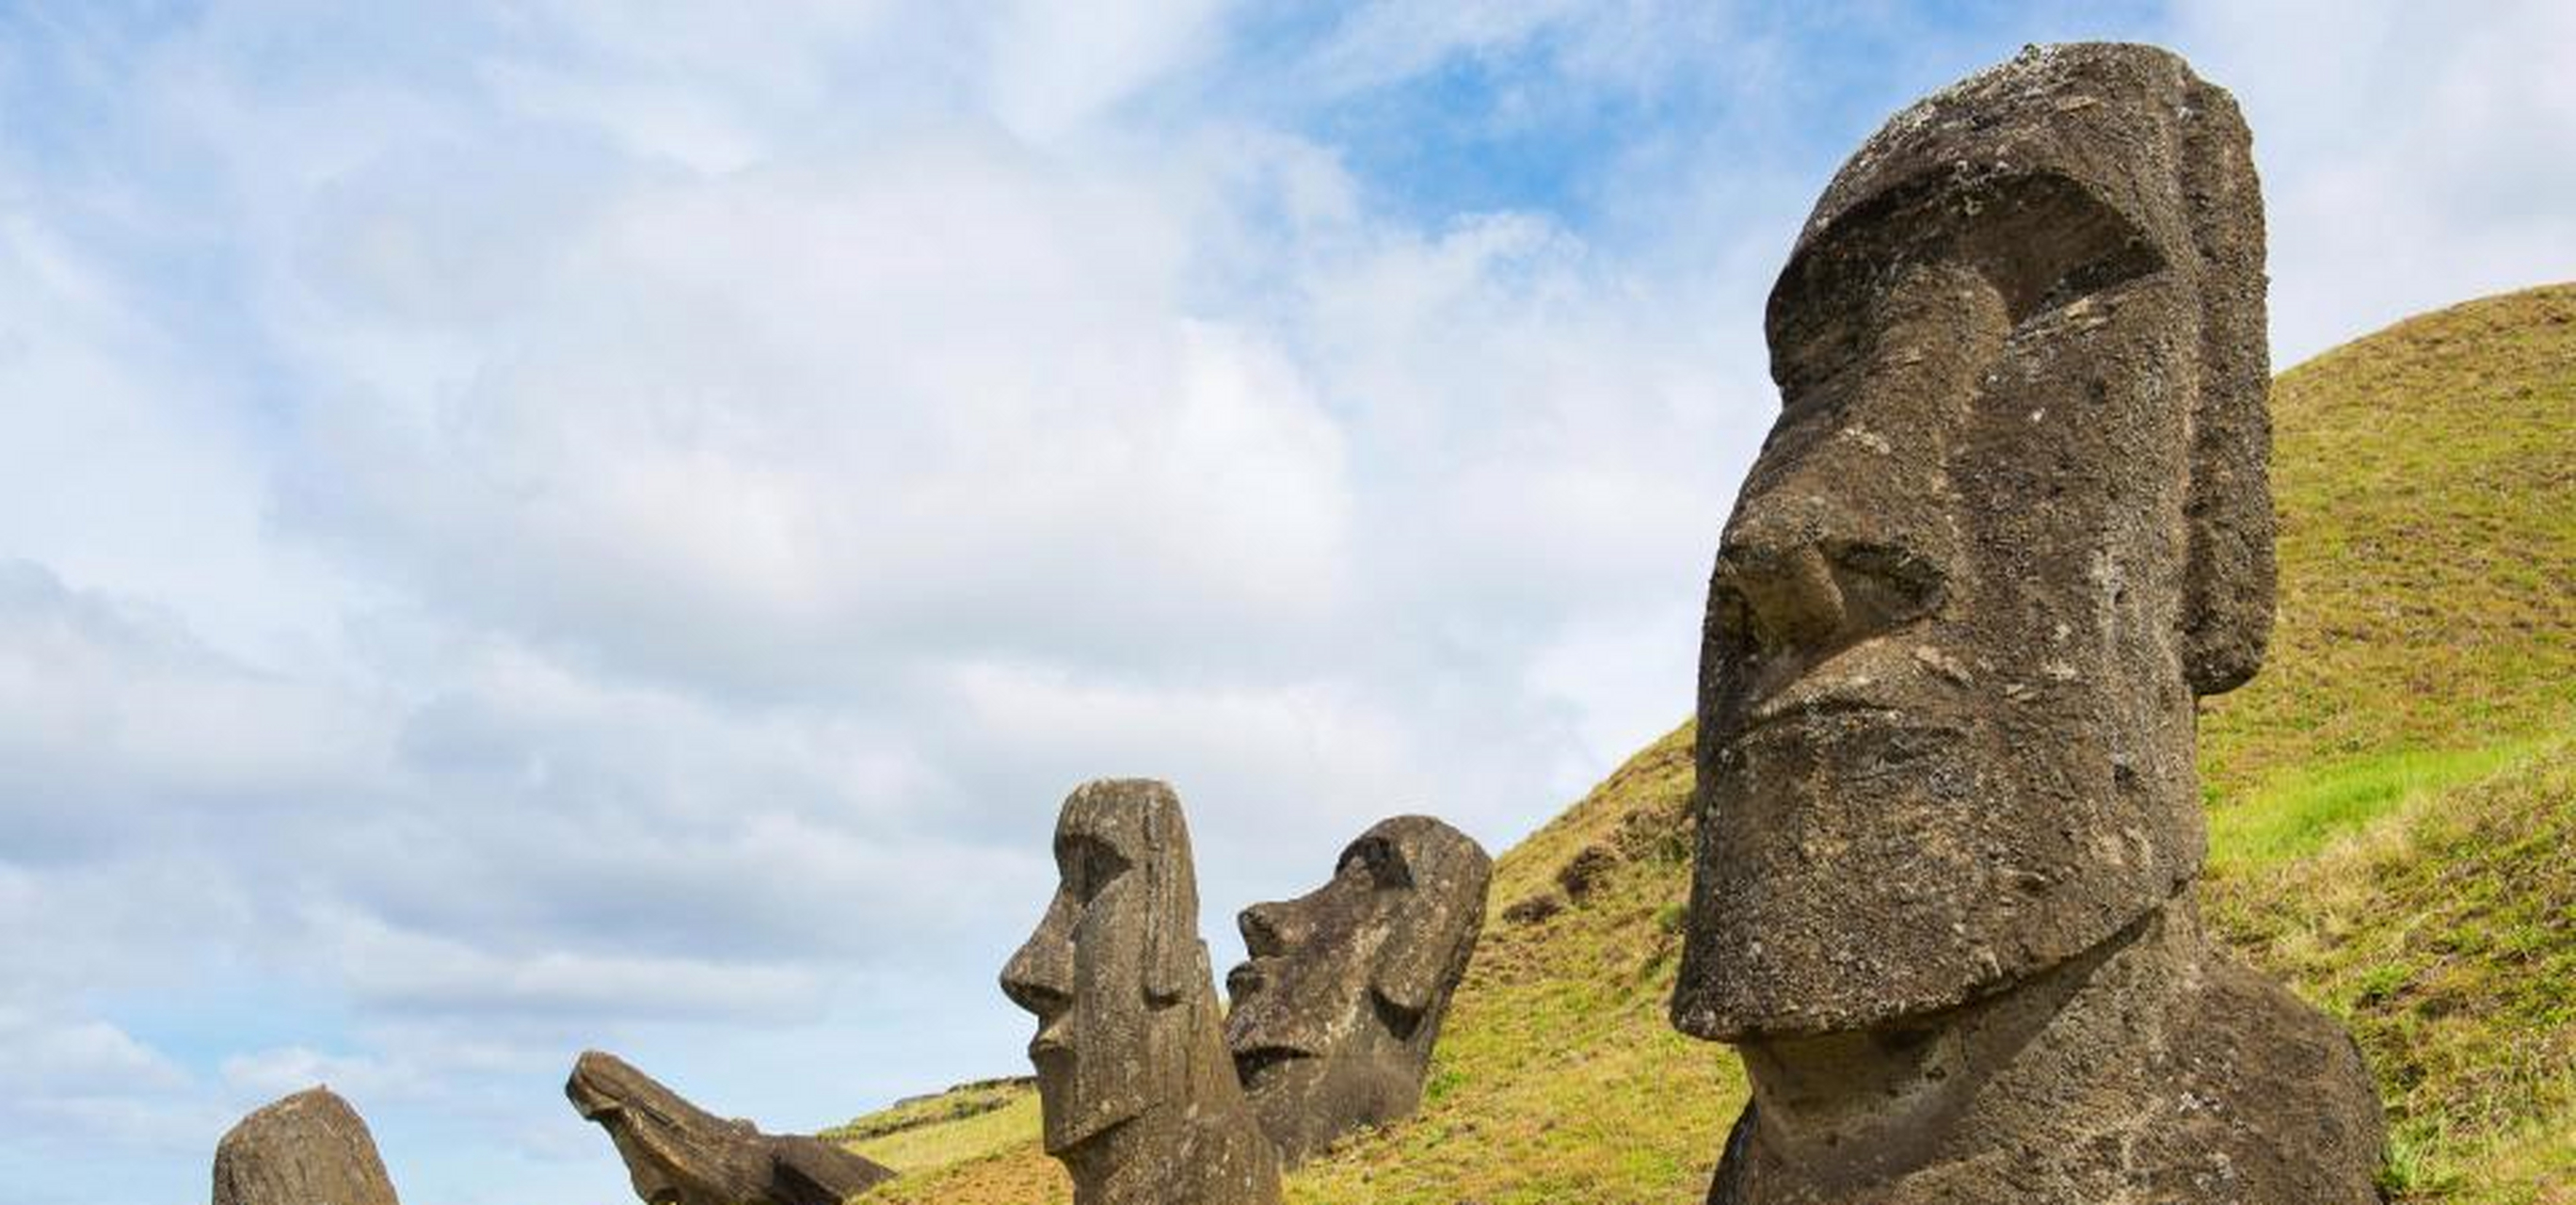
(2157, 1072)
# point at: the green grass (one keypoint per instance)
(2296, 815)
(2425, 479)
(2393, 833)
(956, 1126)
(2444, 934)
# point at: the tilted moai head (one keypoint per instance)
(674, 1151)
(679, 1154)
(1335, 1013)
(2012, 520)
(1138, 1098)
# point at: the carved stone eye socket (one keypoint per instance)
(1088, 864)
(1379, 860)
(2041, 240)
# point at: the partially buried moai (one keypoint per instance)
(298, 1150)
(1137, 1095)
(2011, 524)
(1336, 1012)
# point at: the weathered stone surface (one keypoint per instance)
(1335, 1013)
(307, 1149)
(2011, 524)
(679, 1154)
(1138, 1097)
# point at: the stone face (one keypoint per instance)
(307, 1149)
(2011, 524)
(1335, 1013)
(1138, 1097)
(679, 1154)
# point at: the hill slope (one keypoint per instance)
(2391, 806)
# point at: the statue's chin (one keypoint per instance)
(1069, 1130)
(1262, 1067)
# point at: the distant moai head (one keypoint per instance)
(1116, 972)
(2012, 520)
(300, 1149)
(1335, 1013)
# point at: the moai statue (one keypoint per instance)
(306, 1148)
(1335, 1013)
(679, 1154)
(2011, 524)
(1137, 1097)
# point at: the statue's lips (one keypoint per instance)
(1792, 704)
(1262, 1060)
(1870, 680)
(1051, 1042)
(1253, 1031)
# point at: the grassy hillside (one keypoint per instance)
(2394, 798)
(2392, 806)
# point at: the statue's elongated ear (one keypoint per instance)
(2228, 591)
(1410, 970)
(1432, 940)
(1176, 961)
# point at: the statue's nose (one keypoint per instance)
(1270, 929)
(1788, 586)
(1811, 581)
(1039, 977)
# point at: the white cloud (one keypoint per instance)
(1621, 45)
(108, 708)
(739, 534)
(416, 972)
(1057, 67)
(2412, 156)
(945, 399)
(40, 1057)
(82, 1086)
(264, 1075)
(128, 468)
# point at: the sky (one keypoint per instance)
(556, 524)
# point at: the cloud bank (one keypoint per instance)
(545, 525)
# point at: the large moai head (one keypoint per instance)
(1337, 1009)
(2012, 520)
(1115, 972)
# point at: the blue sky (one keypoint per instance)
(557, 524)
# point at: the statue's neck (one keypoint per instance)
(1171, 1153)
(1875, 1104)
